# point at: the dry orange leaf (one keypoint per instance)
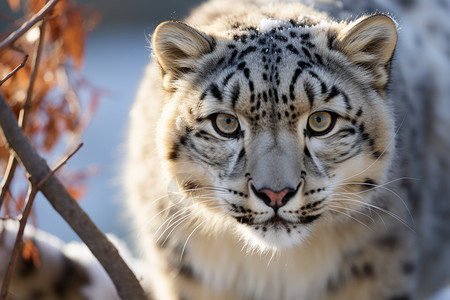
(31, 252)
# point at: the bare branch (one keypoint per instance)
(34, 71)
(9, 174)
(31, 195)
(10, 74)
(123, 278)
(27, 25)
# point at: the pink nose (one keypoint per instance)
(276, 198)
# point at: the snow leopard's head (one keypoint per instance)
(275, 126)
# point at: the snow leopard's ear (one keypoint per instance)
(177, 46)
(370, 42)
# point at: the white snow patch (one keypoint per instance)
(267, 25)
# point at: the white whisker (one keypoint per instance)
(184, 246)
(351, 217)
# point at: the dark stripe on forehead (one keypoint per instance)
(333, 93)
(347, 101)
(225, 81)
(215, 92)
(309, 90)
(307, 53)
(233, 56)
(323, 86)
(235, 94)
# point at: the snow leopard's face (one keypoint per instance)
(274, 131)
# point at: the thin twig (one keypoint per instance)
(9, 174)
(32, 191)
(34, 71)
(10, 74)
(27, 25)
(127, 285)
(62, 163)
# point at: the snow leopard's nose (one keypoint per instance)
(272, 198)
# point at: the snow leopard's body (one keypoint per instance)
(236, 190)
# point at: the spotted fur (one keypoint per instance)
(273, 210)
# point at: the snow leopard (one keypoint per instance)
(294, 150)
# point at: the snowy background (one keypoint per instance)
(116, 54)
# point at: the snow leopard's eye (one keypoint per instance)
(226, 125)
(321, 122)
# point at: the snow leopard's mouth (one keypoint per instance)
(277, 221)
(303, 220)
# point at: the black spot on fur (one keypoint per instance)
(265, 96)
(173, 154)
(309, 219)
(304, 64)
(183, 140)
(250, 86)
(359, 113)
(280, 37)
(377, 154)
(291, 48)
(247, 51)
(247, 73)
(368, 184)
(305, 36)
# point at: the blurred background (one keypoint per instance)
(116, 53)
